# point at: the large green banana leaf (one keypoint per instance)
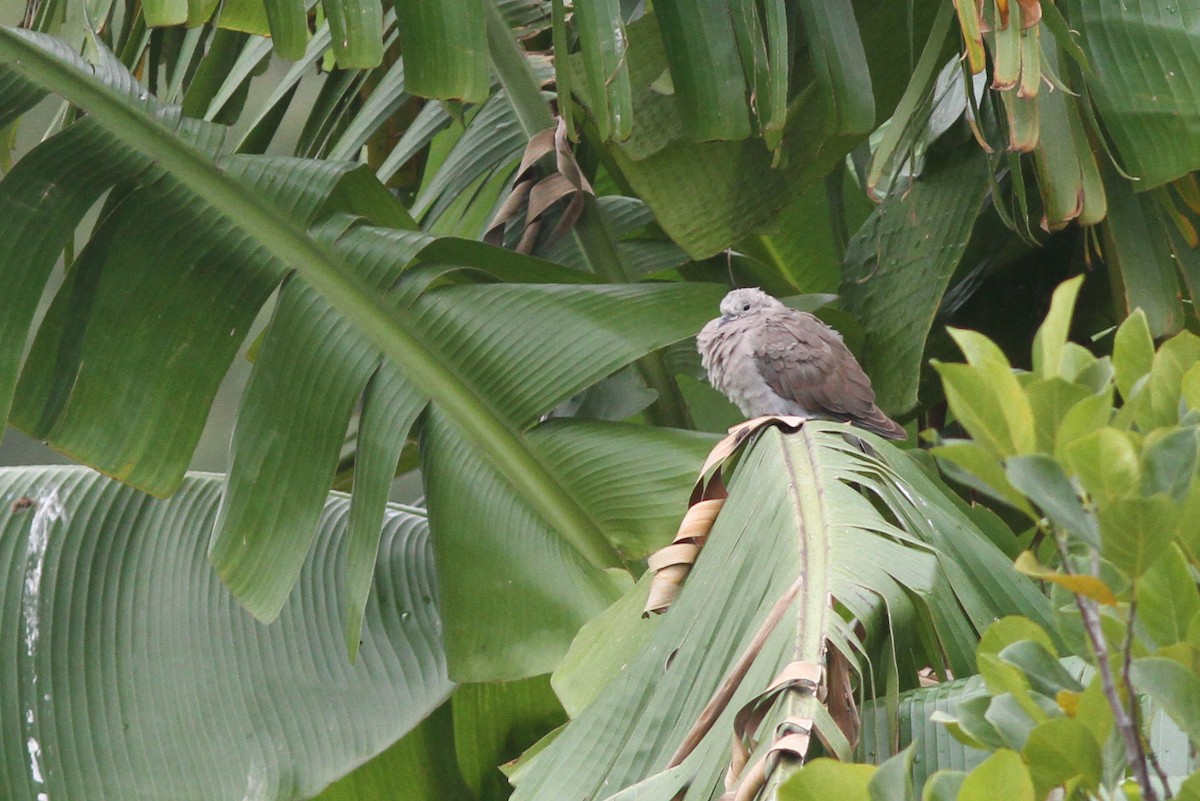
(135, 343)
(130, 672)
(809, 512)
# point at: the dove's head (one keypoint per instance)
(741, 302)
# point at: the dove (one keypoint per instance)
(769, 359)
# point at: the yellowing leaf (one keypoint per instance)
(1068, 701)
(1087, 586)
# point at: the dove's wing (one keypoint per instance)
(805, 361)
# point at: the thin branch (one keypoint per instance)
(1124, 722)
(1135, 708)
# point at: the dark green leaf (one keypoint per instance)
(390, 406)
(603, 647)
(306, 381)
(288, 20)
(387, 96)
(839, 63)
(165, 12)
(445, 48)
(605, 63)
(1145, 58)
(494, 723)
(899, 264)
(356, 28)
(512, 596)
(699, 44)
(1139, 257)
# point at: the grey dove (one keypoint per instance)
(769, 359)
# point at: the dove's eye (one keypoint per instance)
(746, 307)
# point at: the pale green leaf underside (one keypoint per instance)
(123, 644)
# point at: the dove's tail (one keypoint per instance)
(879, 423)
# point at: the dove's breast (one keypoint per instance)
(727, 353)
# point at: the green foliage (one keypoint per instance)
(798, 515)
(1110, 496)
(545, 397)
(107, 594)
(1112, 499)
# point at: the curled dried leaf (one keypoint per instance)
(672, 563)
(537, 196)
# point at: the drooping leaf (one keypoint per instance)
(288, 20)
(701, 49)
(602, 40)
(504, 619)
(839, 64)
(445, 48)
(390, 406)
(707, 195)
(636, 481)
(1138, 252)
(267, 231)
(356, 30)
(494, 722)
(1068, 175)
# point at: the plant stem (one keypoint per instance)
(600, 250)
(1135, 709)
(1124, 721)
(589, 232)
